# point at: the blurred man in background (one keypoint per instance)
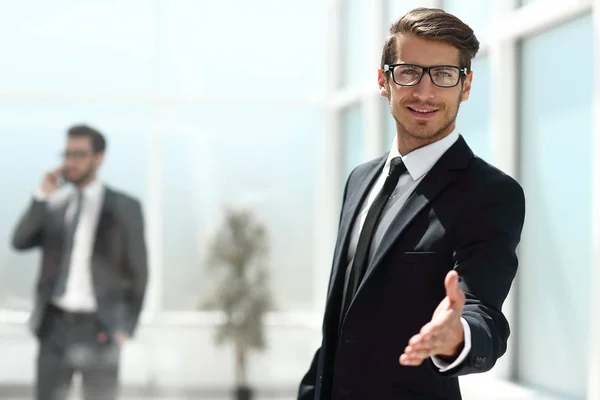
(93, 272)
(425, 254)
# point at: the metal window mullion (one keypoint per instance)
(373, 133)
(593, 389)
(153, 208)
(503, 127)
(330, 180)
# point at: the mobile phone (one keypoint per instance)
(62, 179)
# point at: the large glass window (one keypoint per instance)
(77, 47)
(353, 138)
(265, 154)
(476, 14)
(528, 2)
(261, 157)
(239, 152)
(32, 135)
(223, 49)
(397, 8)
(556, 168)
(356, 23)
(473, 117)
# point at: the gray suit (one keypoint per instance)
(119, 275)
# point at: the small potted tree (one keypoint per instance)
(237, 265)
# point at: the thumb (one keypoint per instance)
(453, 290)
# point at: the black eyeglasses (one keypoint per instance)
(75, 154)
(444, 76)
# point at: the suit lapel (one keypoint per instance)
(60, 216)
(442, 175)
(105, 220)
(365, 177)
(58, 222)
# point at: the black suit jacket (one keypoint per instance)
(464, 215)
(119, 260)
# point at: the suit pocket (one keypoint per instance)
(418, 257)
(425, 270)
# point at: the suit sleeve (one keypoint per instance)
(138, 264)
(30, 228)
(486, 261)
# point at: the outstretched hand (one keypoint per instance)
(443, 336)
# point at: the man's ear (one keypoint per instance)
(466, 87)
(99, 159)
(383, 84)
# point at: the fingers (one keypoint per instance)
(52, 178)
(423, 345)
(55, 173)
(453, 290)
(120, 337)
(411, 361)
(102, 337)
(414, 356)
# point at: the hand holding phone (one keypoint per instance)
(52, 180)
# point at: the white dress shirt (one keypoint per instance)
(418, 163)
(79, 293)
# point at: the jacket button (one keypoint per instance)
(479, 362)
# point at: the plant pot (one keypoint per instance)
(243, 393)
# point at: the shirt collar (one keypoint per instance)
(418, 162)
(93, 190)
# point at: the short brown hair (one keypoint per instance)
(98, 140)
(433, 24)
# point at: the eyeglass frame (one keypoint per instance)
(76, 154)
(463, 71)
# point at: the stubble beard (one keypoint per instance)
(424, 135)
(83, 179)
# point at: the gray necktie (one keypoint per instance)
(70, 228)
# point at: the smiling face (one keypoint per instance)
(424, 112)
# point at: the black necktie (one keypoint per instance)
(70, 228)
(361, 256)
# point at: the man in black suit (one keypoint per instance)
(426, 248)
(93, 275)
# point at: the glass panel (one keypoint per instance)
(77, 47)
(397, 8)
(556, 164)
(265, 158)
(476, 14)
(257, 49)
(357, 67)
(354, 142)
(32, 135)
(473, 118)
(527, 2)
